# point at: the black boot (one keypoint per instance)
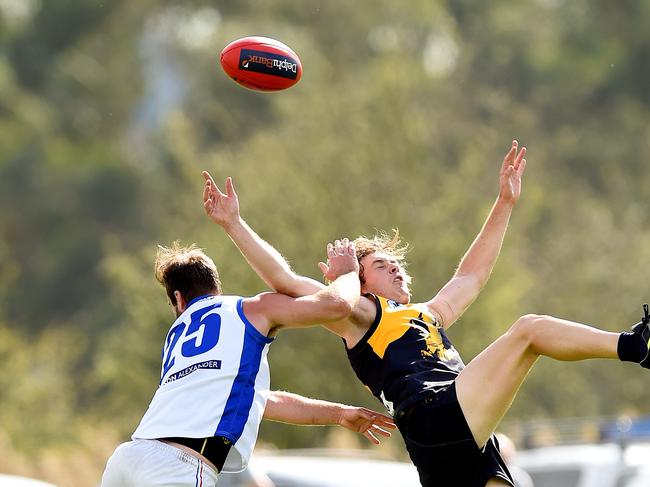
(633, 346)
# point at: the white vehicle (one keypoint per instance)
(637, 457)
(573, 465)
(640, 478)
(333, 468)
(588, 465)
(14, 481)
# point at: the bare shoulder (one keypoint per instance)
(354, 328)
(365, 312)
(256, 309)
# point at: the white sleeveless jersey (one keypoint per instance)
(214, 380)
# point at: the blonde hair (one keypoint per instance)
(187, 270)
(384, 243)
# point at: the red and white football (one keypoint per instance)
(261, 63)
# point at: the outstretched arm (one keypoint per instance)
(269, 312)
(291, 408)
(266, 261)
(476, 265)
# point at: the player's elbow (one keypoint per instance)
(471, 282)
(480, 279)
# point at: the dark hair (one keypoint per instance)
(187, 270)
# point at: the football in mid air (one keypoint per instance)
(261, 63)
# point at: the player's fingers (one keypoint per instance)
(521, 168)
(230, 187)
(323, 268)
(519, 157)
(207, 176)
(380, 431)
(385, 422)
(330, 250)
(371, 437)
(348, 247)
(380, 418)
(384, 417)
(352, 249)
(206, 191)
(511, 153)
(209, 181)
(340, 247)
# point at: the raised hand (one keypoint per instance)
(370, 424)
(511, 172)
(341, 259)
(222, 208)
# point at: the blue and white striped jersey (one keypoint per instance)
(214, 379)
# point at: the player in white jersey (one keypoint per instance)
(214, 383)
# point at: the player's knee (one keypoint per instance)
(526, 328)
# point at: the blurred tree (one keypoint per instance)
(109, 110)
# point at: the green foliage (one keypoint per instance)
(109, 111)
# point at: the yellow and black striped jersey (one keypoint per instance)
(404, 354)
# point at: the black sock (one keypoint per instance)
(631, 347)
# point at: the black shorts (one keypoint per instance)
(442, 447)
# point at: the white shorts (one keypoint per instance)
(152, 463)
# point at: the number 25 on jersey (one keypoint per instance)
(199, 336)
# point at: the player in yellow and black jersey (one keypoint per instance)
(407, 362)
(405, 355)
(446, 412)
